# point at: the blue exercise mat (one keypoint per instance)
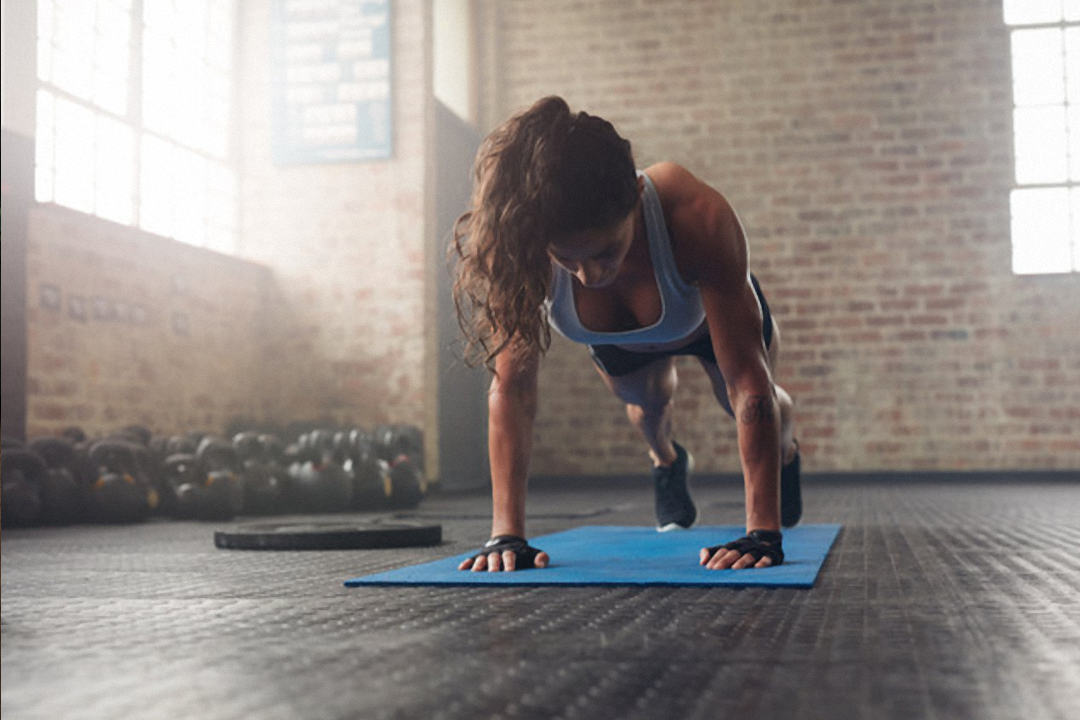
(606, 555)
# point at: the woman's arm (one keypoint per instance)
(734, 319)
(713, 245)
(512, 405)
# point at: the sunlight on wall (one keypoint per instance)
(453, 51)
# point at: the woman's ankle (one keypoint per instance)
(665, 461)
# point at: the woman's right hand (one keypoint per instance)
(506, 553)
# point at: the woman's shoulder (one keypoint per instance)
(675, 185)
(697, 215)
(668, 175)
(687, 201)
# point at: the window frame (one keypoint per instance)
(133, 120)
(1070, 185)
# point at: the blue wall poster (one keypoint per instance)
(331, 80)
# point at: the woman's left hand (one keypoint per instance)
(757, 549)
(723, 559)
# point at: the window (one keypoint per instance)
(1045, 202)
(134, 114)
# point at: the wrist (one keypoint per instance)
(502, 539)
(517, 530)
(768, 521)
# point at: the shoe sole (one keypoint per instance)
(674, 527)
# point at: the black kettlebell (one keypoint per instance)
(65, 496)
(273, 458)
(370, 476)
(181, 445)
(223, 481)
(393, 441)
(183, 496)
(22, 480)
(262, 488)
(317, 482)
(116, 492)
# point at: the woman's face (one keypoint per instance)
(595, 256)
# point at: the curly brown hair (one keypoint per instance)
(543, 173)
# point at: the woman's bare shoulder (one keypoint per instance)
(699, 218)
(672, 181)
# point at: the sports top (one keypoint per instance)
(682, 311)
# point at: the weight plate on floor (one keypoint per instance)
(328, 536)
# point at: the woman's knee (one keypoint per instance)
(650, 388)
(784, 401)
(638, 412)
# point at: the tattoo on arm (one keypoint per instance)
(757, 409)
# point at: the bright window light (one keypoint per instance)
(1045, 201)
(1032, 12)
(147, 148)
(1041, 215)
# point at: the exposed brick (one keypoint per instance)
(950, 335)
(928, 320)
(885, 320)
(1048, 364)
(945, 304)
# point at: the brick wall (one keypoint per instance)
(867, 147)
(346, 241)
(126, 327)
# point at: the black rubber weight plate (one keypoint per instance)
(328, 536)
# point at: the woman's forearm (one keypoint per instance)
(758, 419)
(512, 413)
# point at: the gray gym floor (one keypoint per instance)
(938, 601)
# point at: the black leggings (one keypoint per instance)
(615, 361)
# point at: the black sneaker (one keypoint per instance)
(674, 508)
(791, 491)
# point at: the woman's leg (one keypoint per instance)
(787, 412)
(648, 393)
(649, 396)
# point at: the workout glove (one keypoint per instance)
(524, 554)
(757, 544)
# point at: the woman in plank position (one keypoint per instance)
(563, 231)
